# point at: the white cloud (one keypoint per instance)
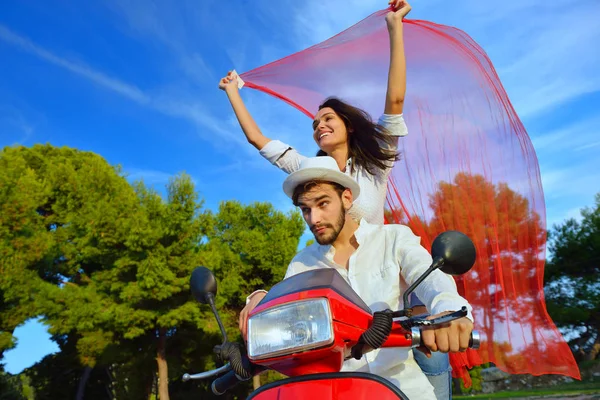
(544, 56)
(241, 38)
(568, 189)
(577, 134)
(160, 20)
(191, 30)
(569, 168)
(557, 215)
(588, 146)
(196, 112)
(315, 21)
(196, 67)
(124, 89)
(577, 180)
(150, 177)
(14, 125)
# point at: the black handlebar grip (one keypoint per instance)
(225, 382)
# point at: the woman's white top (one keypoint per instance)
(373, 188)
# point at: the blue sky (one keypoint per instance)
(136, 82)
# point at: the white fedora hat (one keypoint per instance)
(322, 168)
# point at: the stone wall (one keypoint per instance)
(495, 380)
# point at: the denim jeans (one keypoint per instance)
(438, 371)
(437, 368)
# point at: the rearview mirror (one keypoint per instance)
(203, 284)
(455, 251)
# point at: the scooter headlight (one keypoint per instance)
(290, 328)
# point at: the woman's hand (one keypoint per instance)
(401, 9)
(228, 82)
(252, 132)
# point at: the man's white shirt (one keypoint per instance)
(388, 259)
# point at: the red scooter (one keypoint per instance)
(308, 324)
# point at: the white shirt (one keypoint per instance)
(388, 259)
(373, 188)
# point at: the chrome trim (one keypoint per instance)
(476, 339)
(415, 333)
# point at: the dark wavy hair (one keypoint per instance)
(368, 142)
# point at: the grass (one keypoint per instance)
(574, 388)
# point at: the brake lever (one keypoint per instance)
(422, 321)
(207, 374)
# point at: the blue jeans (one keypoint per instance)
(437, 368)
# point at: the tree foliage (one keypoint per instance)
(573, 279)
(59, 209)
(107, 265)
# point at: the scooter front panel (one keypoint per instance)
(336, 386)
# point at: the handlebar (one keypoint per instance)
(225, 382)
(474, 341)
(399, 337)
(231, 379)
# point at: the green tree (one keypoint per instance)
(107, 265)
(143, 295)
(57, 375)
(476, 381)
(573, 279)
(12, 388)
(249, 248)
(58, 211)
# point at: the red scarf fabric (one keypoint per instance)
(467, 164)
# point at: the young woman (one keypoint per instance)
(362, 149)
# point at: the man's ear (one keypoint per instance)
(347, 199)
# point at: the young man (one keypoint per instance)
(379, 262)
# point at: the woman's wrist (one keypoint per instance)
(231, 90)
(396, 27)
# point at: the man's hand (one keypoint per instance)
(451, 337)
(254, 300)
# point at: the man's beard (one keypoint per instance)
(337, 228)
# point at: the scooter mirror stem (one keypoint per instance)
(437, 262)
(211, 302)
